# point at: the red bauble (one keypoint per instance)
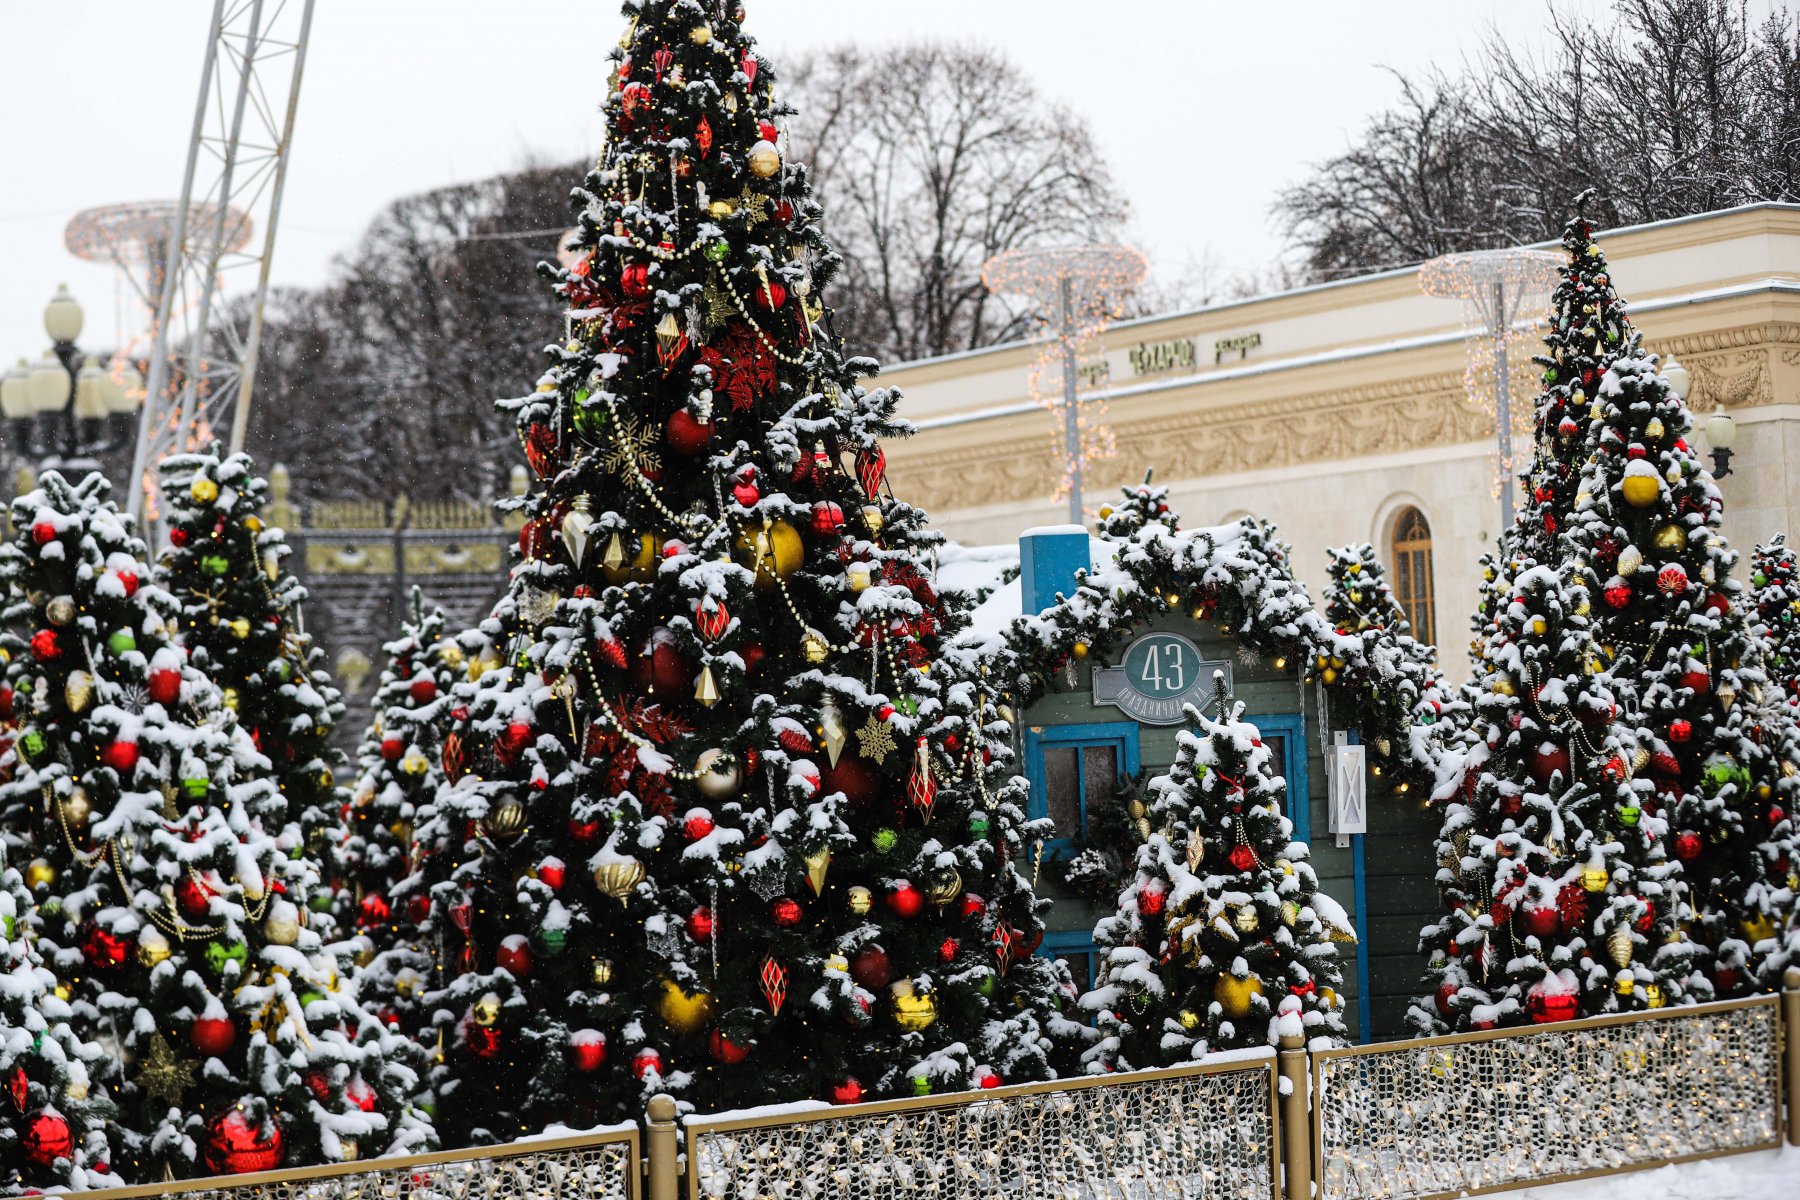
(686, 434)
(698, 825)
(236, 1147)
(362, 1095)
(540, 449)
(212, 1035)
(753, 654)
(1680, 730)
(392, 748)
(193, 898)
(646, 1061)
(1510, 804)
(827, 518)
(165, 686)
(847, 1091)
(423, 690)
(1697, 681)
(854, 777)
(483, 1040)
(47, 1138)
(725, 1050)
(537, 540)
(1242, 857)
(871, 968)
(374, 909)
(1688, 845)
(586, 833)
(972, 906)
(1617, 595)
(514, 955)
(987, 1081)
(43, 532)
(552, 873)
(103, 951)
(120, 756)
(1727, 979)
(746, 493)
(587, 1050)
(1717, 603)
(44, 647)
(700, 924)
(660, 667)
(178, 536)
(509, 744)
(634, 280)
(1540, 920)
(947, 949)
(1547, 1008)
(418, 908)
(129, 581)
(1672, 579)
(1152, 899)
(905, 901)
(1446, 992)
(1547, 760)
(786, 912)
(769, 298)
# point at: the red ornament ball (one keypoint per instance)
(392, 748)
(129, 581)
(120, 756)
(165, 686)
(871, 968)
(724, 1050)
(515, 955)
(786, 912)
(418, 908)
(585, 833)
(687, 434)
(827, 518)
(1152, 899)
(697, 825)
(234, 1146)
(1446, 992)
(855, 777)
(103, 950)
(1242, 857)
(1680, 730)
(847, 1091)
(43, 532)
(1688, 845)
(552, 873)
(1697, 681)
(1547, 760)
(1717, 603)
(987, 1081)
(1540, 920)
(646, 1061)
(769, 298)
(634, 280)
(1546, 1008)
(359, 1093)
(947, 949)
(212, 1035)
(905, 901)
(423, 690)
(194, 900)
(508, 745)
(44, 647)
(1672, 579)
(47, 1138)
(700, 924)
(972, 906)
(374, 909)
(587, 1050)
(1617, 595)
(746, 493)
(483, 1040)
(661, 667)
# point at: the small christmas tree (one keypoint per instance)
(170, 885)
(1775, 604)
(1142, 505)
(1561, 902)
(240, 623)
(1357, 595)
(60, 1132)
(1223, 927)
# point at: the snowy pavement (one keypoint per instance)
(1768, 1175)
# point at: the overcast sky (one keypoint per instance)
(1204, 108)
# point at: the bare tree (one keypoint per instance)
(930, 159)
(1668, 108)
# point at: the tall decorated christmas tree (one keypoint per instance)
(1775, 607)
(240, 624)
(1673, 630)
(170, 885)
(1222, 928)
(720, 820)
(58, 1133)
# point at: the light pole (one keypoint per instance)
(66, 407)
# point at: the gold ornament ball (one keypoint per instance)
(1625, 983)
(1539, 627)
(945, 887)
(253, 523)
(700, 35)
(78, 806)
(774, 551)
(349, 1150)
(1594, 879)
(282, 925)
(231, 698)
(914, 1011)
(240, 628)
(1246, 919)
(451, 655)
(603, 971)
(203, 491)
(1290, 913)
(415, 763)
(487, 1010)
(39, 873)
(1079, 649)
(720, 209)
(60, 610)
(1503, 686)
(860, 900)
(716, 775)
(1641, 491)
(505, 820)
(1190, 1020)
(858, 576)
(634, 558)
(837, 963)
(1653, 995)
(814, 647)
(685, 1012)
(1671, 539)
(764, 160)
(1329, 675)
(152, 946)
(1233, 995)
(872, 518)
(1756, 928)
(77, 1089)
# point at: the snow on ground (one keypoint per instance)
(1767, 1175)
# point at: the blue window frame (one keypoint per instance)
(1075, 947)
(1071, 767)
(1286, 733)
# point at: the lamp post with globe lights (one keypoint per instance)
(67, 406)
(1721, 430)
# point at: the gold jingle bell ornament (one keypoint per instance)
(1233, 994)
(685, 1012)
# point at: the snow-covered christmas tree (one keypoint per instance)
(170, 883)
(1139, 506)
(1223, 928)
(1561, 901)
(720, 822)
(1775, 604)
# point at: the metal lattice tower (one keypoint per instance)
(204, 359)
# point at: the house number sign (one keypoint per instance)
(1158, 676)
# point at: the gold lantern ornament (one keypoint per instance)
(617, 877)
(78, 690)
(1233, 995)
(684, 1012)
(773, 551)
(914, 1011)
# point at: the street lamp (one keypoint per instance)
(66, 405)
(1721, 430)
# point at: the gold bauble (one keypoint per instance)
(872, 518)
(203, 491)
(1246, 919)
(773, 551)
(282, 925)
(240, 628)
(603, 971)
(1654, 429)
(39, 873)
(1190, 1020)
(1594, 878)
(1290, 913)
(231, 698)
(1285, 866)
(1625, 982)
(764, 160)
(349, 1149)
(720, 209)
(415, 763)
(700, 35)
(860, 900)
(253, 523)
(505, 820)
(77, 806)
(913, 1011)
(1329, 675)
(814, 647)
(1618, 945)
(837, 963)
(859, 575)
(1503, 686)
(77, 1089)
(1641, 491)
(1757, 928)
(618, 877)
(1539, 627)
(716, 775)
(63, 991)
(450, 654)
(685, 1012)
(60, 610)
(1653, 995)
(1233, 995)
(152, 946)
(1671, 539)
(631, 556)
(78, 690)
(487, 1009)
(945, 887)
(1079, 649)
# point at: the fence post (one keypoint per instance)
(664, 1149)
(1790, 1040)
(1296, 1119)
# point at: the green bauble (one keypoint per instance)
(552, 941)
(885, 841)
(990, 983)
(218, 954)
(921, 1085)
(307, 998)
(319, 902)
(719, 251)
(590, 419)
(196, 788)
(33, 745)
(215, 564)
(282, 670)
(979, 824)
(121, 641)
(1628, 815)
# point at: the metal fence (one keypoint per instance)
(1481, 1112)
(1210, 1130)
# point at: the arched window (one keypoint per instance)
(1411, 553)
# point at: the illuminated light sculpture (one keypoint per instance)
(1496, 287)
(1076, 291)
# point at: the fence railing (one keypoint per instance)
(1415, 1120)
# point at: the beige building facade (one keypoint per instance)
(1339, 412)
